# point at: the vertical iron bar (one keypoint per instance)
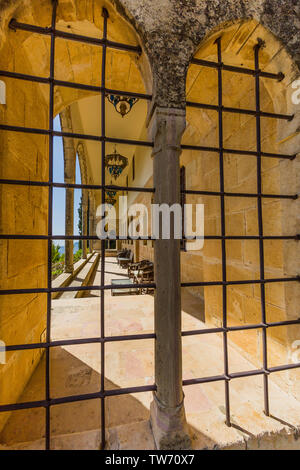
(260, 226)
(102, 294)
(223, 229)
(50, 210)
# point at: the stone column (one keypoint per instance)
(167, 412)
(69, 177)
(84, 222)
(91, 220)
(82, 157)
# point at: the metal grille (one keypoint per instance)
(265, 371)
(104, 43)
(52, 82)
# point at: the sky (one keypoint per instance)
(58, 193)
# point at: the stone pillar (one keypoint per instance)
(69, 177)
(82, 157)
(84, 222)
(91, 220)
(167, 412)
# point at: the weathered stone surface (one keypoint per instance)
(171, 31)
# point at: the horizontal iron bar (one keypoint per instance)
(79, 86)
(127, 391)
(74, 37)
(252, 153)
(232, 68)
(139, 189)
(247, 237)
(71, 135)
(69, 237)
(75, 289)
(282, 368)
(234, 283)
(150, 286)
(238, 375)
(113, 140)
(250, 112)
(203, 380)
(250, 373)
(74, 342)
(111, 339)
(77, 186)
(230, 194)
(207, 331)
(30, 130)
(76, 398)
(94, 237)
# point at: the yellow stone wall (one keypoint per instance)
(23, 264)
(241, 216)
(24, 209)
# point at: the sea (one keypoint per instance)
(62, 248)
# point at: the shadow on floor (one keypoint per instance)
(72, 376)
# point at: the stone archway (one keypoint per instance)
(25, 155)
(230, 242)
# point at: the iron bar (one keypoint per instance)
(113, 140)
(145, 190)
(77, 186)
(250, 112)
(15, 25)
(237, 283)
(141, 389)
(102, 270)
(144, 238)
(223, 231)
(150, 285)
(53, 33)
(79, 86)
(76, 398)
(111, 339)
(260, 225)
(240, 152)
(50, 221)
(232, 68)
(31, 130)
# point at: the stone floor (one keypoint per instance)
(76, 370)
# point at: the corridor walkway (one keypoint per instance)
(76, 370)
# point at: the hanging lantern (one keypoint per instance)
(115, 163)
(110, 199)
(122, 104)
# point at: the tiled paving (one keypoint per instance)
(76, 370)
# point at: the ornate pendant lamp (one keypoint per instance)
(115, 163)
(111, 197)
(122, 104)
(111, 200)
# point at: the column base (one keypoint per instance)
(69, 270)
(169, 427)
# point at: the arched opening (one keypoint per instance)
(96, 55)
(239, 153)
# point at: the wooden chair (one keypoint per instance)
(126, 260)
(122, 254)
(145, 276)
(134, 268)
